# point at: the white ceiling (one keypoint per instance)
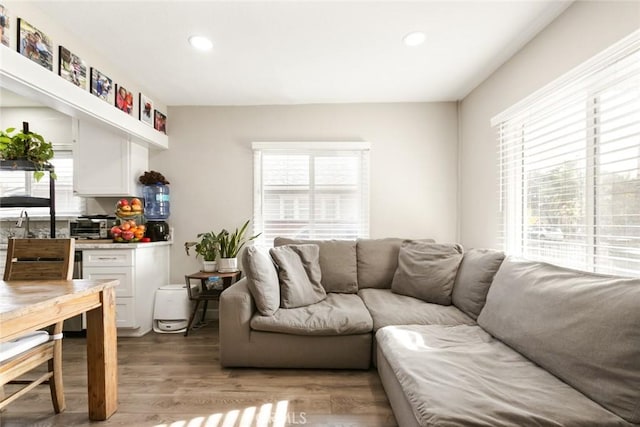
(298, 52)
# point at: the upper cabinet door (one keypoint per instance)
(106, 162)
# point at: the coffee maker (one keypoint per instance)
(157, 231)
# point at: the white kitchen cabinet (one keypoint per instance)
(106, 162)
(140, 271)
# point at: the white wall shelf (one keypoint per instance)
(31, 80)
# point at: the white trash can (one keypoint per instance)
(172, 309)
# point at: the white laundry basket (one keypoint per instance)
(172, 309)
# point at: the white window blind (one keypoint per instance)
(311, 190)
(570, 167)
(20, 183)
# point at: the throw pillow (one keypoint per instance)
(299, 274)
(338, 262)
(427, 271)
(474, 278)
(262, 280)
(378, 261)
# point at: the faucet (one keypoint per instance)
(27, 233)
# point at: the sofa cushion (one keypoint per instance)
(337, 263)
(475, 274)
(581, 327)
(262, 280)
(387, 308)
(461, 376)
(338, 314)
(299, 274)
(427, 271)
(378, 261)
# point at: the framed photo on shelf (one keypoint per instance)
(160, 122)
(72, 68)
(124, 100)
(101, 86)
(4, 25)
(34, 44)
(145, 109)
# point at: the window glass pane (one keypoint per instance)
(570, 168)
(22, 183)
(554, 165)
(617, 230)
(311, 194)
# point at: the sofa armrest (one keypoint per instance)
(236, 310)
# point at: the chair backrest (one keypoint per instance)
(38, 259)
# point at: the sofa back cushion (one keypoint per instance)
(337, 263)
(427, 271)
(475, 274)
(262, 280)
(584, 328)
(378, 261)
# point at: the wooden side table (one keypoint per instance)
(200, 293)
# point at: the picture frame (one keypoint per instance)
(34, 44)
(72, 68)
(145, 109)
(160, 121)
(5, 25)
(124, 100)
(102, 86)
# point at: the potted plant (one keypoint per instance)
(25, 146)
(208, 248)
(230, 245)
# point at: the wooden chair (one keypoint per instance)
(36, 259)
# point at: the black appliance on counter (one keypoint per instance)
(92, 226)
(157, 231)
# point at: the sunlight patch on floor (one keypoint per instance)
(264, 416)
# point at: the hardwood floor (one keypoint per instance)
(167, 380)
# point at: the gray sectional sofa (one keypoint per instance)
(519, 343)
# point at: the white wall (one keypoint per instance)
(413, 164)
(583, 30)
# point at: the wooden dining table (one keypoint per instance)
(26, 306)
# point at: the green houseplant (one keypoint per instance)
(207, 247)
(29, 146)
(230, 245)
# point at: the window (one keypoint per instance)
(20, 183)
(570, 167)
(311, 190)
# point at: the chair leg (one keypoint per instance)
(56, 387)
(55, 366)
(2, 398)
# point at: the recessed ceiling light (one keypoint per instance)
(415, 38)
(200, 42)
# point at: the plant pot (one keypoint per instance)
(209, 266)
(227, 265)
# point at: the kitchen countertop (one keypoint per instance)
(109, 244)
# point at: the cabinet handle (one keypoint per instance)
(107, 258)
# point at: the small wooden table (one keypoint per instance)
(201, 293)
(26, 306)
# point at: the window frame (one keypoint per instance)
(588, 83)
(312, 150)
(29, 185)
